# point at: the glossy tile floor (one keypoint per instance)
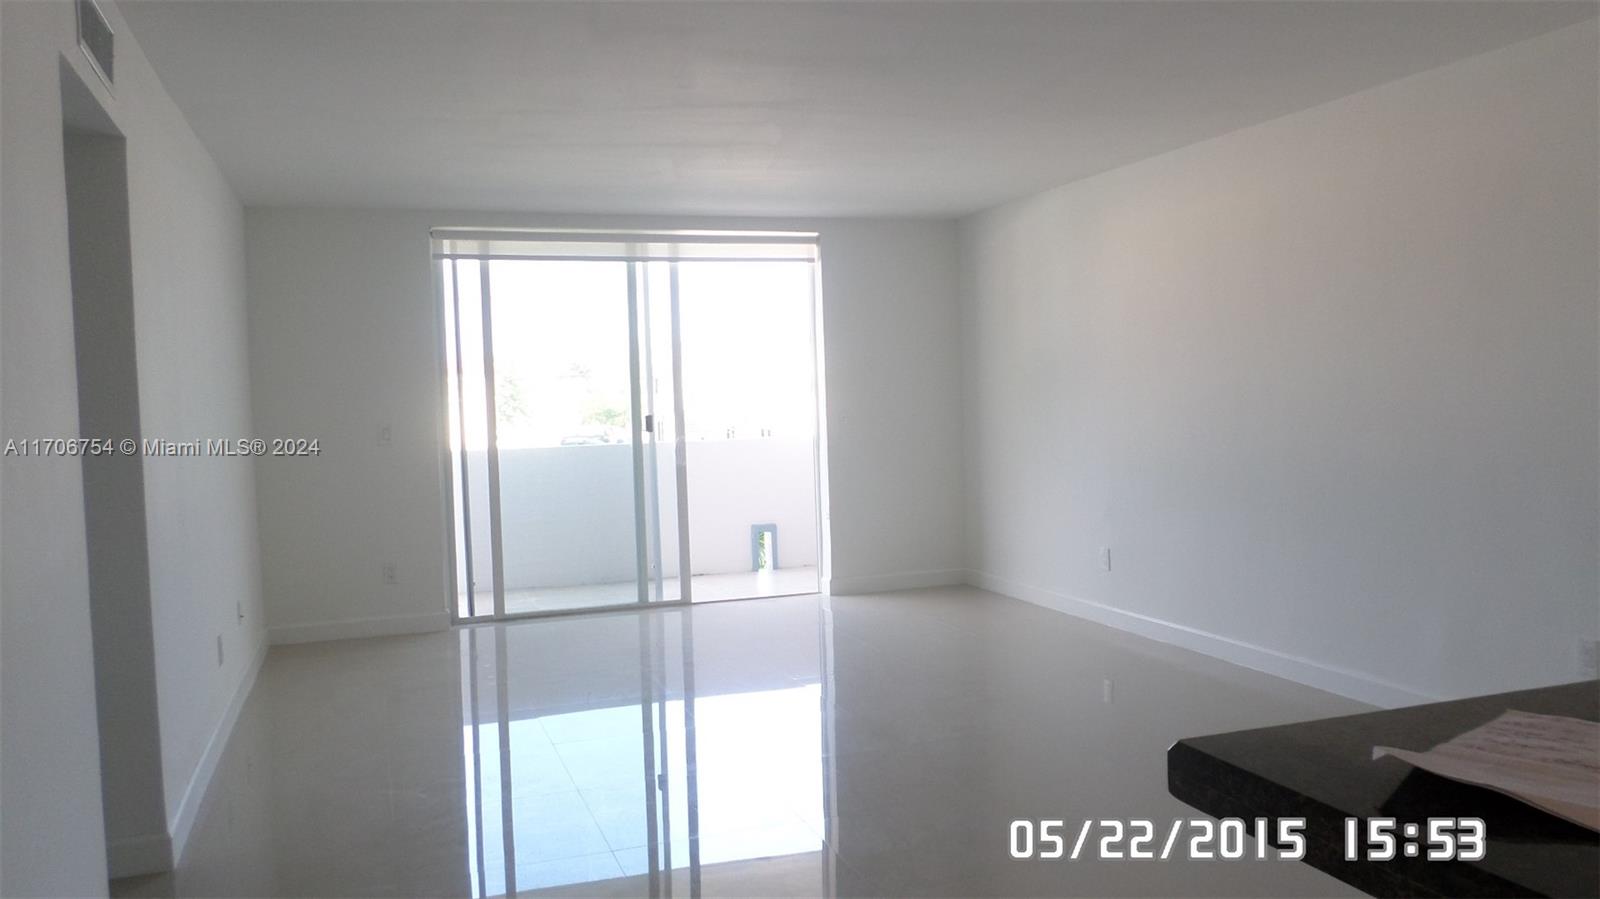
(801, 746)
(704, 588)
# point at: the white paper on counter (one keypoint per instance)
(1548, 761)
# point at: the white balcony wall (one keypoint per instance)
(566, 512)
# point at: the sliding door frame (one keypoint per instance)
(492, 454)
(680, 462)
(641, 503)
(646, 537)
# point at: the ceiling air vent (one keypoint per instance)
(95, 37)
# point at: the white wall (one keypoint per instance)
(205, 577)
(734, 484)
(1326, 386)
(566, 512)
(344, 342)
(186, 230)
(51, 836)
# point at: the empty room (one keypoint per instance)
(936, 448)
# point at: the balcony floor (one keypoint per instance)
(703, 587)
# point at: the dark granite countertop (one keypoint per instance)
(1324, 771)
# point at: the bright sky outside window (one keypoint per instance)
(561, 350)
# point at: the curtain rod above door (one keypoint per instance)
(625, 246)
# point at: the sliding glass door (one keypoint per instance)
(750, 412)
(592, 399)
(565, 433)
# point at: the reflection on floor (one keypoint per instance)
(875, 745)
(582, 811)
(703, 587)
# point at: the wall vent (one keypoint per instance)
(97, 40)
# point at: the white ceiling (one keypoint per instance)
(913, 108)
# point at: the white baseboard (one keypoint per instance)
(145, 854)
(359, 627)
(182, 824)
(898, 580)
(1342, 681)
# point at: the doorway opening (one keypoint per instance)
(631, 418)
(99, 255)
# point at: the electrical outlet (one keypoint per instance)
(389, 576)
(1105, 558)
(219, 650)
(1589, 657)
(385, 436)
